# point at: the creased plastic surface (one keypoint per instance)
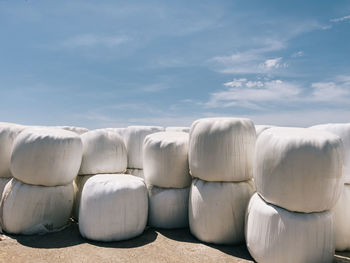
(8, 133)
(341, 213)
(168, 207)
(113, 207)
(275, 235)
(299, 169)
(29, 209)
(177, 129)
(46, 156)
(77, 130)
(343, 131)
(217, 210)
(260, 128)
(103, 152)
(165, 160)
(222, 149)
(133, 137)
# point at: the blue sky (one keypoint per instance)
(117, 63)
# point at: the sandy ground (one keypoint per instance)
(152, 246)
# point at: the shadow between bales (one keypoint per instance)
(341, 257)
(70, 236)
(184, 235)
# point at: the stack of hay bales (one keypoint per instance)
(221, 162)
(44, 163)
(133, 138)
(104, 152)
(297, 173)
(177, 129)
(166, 172)
(8, 133)
(341, 210)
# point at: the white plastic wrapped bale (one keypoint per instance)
(119, 131)
(222, 149)
(47, 157)
(103, 152)
(177, 129)
(275, 235)
(343, 131)
(217, 210)
(77, 130)
(3, 182)
(30, 209)
(260, 128)
(8, 133)
(165, 160)
(79, 183)
(168, 208)
(136, 172)
(341, 213)
(113, 207)
(133, 137)
(299, 169)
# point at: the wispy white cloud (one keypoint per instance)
(273, 63)
(340, 19)
(91, 40)
(297, 54)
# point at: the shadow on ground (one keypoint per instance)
(184, 235)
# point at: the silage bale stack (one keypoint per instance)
(221, 162)
(297, 173)
(8, 133)
(44, 163)
(133, 138)
(104, 152)
(166, 172)
(342, 209)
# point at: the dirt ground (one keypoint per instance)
(152, 246)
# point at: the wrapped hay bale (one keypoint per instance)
(341, 213)
(136, 172)
(260, 128)
(119, 131)
(46, 156)
(103, 152)
(8, 133)
(275, 235)
(29, 209)
(217, 210)
(221, 149)
(178, 129)
(113, 207)
(165, 160)
(133, 137)
(79, 183)
(343, 131)
(168, 208)
(298, 169)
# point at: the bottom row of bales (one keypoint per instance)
(202, 180)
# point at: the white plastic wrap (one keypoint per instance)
(103, 152)
(275, 235)
(341, 213)
(260, 128)
(217, 210)
(133, 137)
(299, 169)
(119, 131)
(177, 129)
(79, 183)
(165, 160)
(343, 131)
(113, 207)
(222, 149)
(135, 172)
(3, 182)
(77, 130)
(30, 209)
(8, 133)
(47, 157)
(168, 208)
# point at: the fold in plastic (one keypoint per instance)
(103, 152)
(261, 128)
(177, 129)
(299, 169)
(275, 235)
(222, 149)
